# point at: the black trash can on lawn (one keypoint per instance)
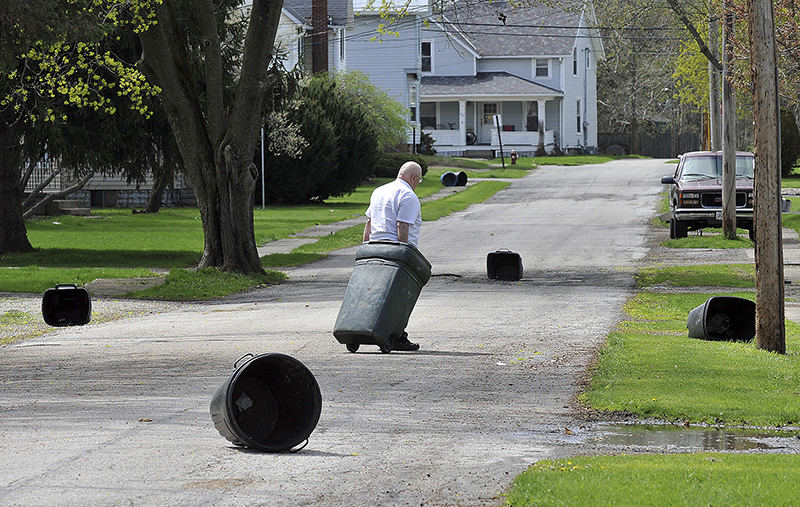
(723, 318)
(271, 403)
(386, 282)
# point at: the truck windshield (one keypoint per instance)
(696, 168)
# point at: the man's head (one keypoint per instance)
(411, 173)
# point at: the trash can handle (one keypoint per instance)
(70, 285)
(236, 364)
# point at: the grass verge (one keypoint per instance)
(566, 160)
(661, 479)
(38, 279)
(431, 211)
(650, 368)
(715, 241)
(707, 275)
(203, 284)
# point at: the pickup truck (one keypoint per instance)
(695, 193)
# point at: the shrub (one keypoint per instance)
(790, 142)
(389, 163)
(337, 149)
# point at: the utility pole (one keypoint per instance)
(728, 129)
(770, 329)
(713, 85)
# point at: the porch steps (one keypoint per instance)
(67, 207)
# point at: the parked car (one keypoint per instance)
(695, 194)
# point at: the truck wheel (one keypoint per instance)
(681, 229)
(752, 234)
(671, 228)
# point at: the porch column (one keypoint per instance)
(462, 122)
(524, 116)
(540, 113)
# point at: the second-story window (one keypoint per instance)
(578, 115)
(341, 45)
(542, 69)
(426, 56)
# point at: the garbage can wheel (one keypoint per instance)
(352, 347)
(385, 348)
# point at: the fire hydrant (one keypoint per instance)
(514, 157)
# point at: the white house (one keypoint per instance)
(295, 39)
(460, 68)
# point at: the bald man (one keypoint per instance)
(395, 214)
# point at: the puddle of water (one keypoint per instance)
(696, 438)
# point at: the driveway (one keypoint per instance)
(117, 413)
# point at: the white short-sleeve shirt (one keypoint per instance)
(391, 203)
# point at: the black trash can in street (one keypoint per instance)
(387, 279)
(66, 305)
(723, 318)
(504, 265)
(271, 403)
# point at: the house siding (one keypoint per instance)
(384, 62)
(286, 40)
(449, 57)
(518, 66)
(552, 110)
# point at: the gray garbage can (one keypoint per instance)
(723, 318)
(386, 281)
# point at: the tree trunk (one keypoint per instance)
(160, 181)
(13, 235)
(216, 139)
(728, 130)
(770, 330)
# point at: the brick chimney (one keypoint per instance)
(319, 39)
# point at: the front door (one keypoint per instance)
(487, 113)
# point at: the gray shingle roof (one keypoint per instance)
(337, 10)
(497, 38)
(484, 83)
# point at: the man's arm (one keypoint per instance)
(402, 231)
(367, 229)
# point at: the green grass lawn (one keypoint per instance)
(651, 368)
(38, 279)
(701, 275)
(699, 479)
(566, 160)
(711, 240)
(204, 284)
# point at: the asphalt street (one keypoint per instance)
(118, 412)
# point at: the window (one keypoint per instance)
(489, 112)
(587, 58)
(574, 61)
(341, 45)
(412, 100)
(532, 118)
(578, 116)
(300, 48)
(542, 67)
(427, 115)
(426, 56)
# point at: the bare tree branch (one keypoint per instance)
(697, 37)
(79, 185)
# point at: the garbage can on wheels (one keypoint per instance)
(387, 279)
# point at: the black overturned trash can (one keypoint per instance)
(66, 305)
(461, 179)
(271, 403)
(387, 279)
(504, 265)
(723, 318)
(449, 179)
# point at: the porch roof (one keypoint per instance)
(483, 85)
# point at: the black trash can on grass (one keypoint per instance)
(271, 403)
(723, 318)
(387, 279)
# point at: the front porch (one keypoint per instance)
(476, 113)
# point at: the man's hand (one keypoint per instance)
(367, 229)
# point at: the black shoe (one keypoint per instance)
(403, 343)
